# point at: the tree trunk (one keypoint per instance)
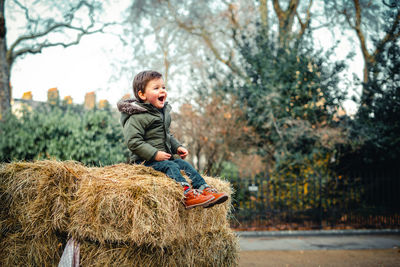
(366, 94)
(5, 89)
(166, 66)
(286, 20)
(370, 58)
(263, 9)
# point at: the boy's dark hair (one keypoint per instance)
(141, 79)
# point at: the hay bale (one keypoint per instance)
(121, 214)
(201, 221)
(126, 203)
(7, 223)
(218, 248)
(211, 249)
(134, 203)
(37, 194)
(16, 249)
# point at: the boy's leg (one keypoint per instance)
(171, 169)
(192, 197)
(197, 181)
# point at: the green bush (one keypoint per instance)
(65, 133)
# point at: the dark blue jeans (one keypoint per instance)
(172, 168)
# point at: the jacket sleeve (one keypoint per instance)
(174, 144)
(134, 132)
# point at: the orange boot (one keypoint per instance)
(194, 198)
(218, 197)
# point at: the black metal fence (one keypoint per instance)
(361, 200)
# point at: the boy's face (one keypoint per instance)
(154, 93)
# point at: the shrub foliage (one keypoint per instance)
(92, 137)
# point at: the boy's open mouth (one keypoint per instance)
(161, 98)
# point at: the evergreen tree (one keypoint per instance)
(291, 97)
(375, 132)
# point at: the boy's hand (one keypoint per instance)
(161, 155)
(182, 152)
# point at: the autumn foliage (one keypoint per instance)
(215, 131)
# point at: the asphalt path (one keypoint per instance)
(334, 242)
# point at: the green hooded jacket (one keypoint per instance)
(146, 130)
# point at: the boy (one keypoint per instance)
(146, 121)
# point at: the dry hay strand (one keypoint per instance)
(210, 249)
(37, 195)
(126, 203)
(7, 223)
(18, 250)
(219, 248)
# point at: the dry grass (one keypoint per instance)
(211, 220)
(18, 250)
(211, 249)
(121, 214)
(133, 203)
(126, 203)
(37, 195)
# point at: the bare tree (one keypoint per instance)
(287, 17)
(192, 28)
(368, 20)
(208, 33)
(67, 23)
(156, 47)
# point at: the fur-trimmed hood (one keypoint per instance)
(130, 106)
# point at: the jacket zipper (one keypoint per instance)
(165, 132)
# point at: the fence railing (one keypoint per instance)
(360, 200)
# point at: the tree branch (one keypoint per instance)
(357, 28)
(390, 35)
(278, 9)
(51, 27)
(347, 17)
(11, 55)
(203, 34)
(27, 16)
(263, 9)
(285, 19)
(235, 29)
(391, 5)
(41, 34)
(304, 25)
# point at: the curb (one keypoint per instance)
(317, 233)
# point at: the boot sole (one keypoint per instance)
(198, 204)
(220, 200)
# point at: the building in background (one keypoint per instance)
(90, 100)
(26, 102)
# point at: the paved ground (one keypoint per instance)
(359, 250)
(320, 242)
(340, 258)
